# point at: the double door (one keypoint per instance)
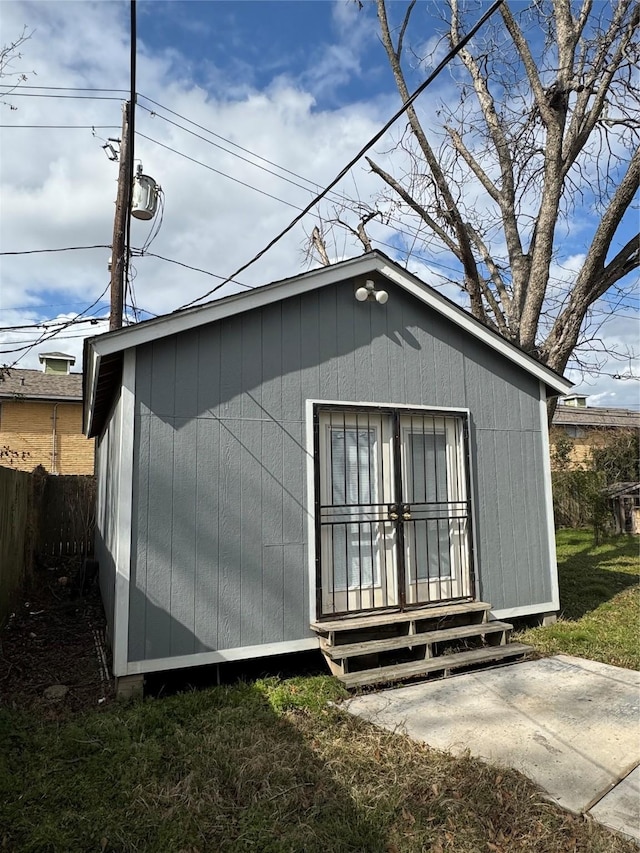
(393, 514)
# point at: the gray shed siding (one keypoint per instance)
(219, 556)
(108, 480)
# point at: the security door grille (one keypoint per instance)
(392, 515)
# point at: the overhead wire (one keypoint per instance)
(62, 126)
(369, 144)
(189, 267)
(240, 157)
(223, 138)
(60, 88)
(342, 199)
(318, 197)
(44, 324)
(58, 338)
(63, 249)
(65, 97)
(44, 337)
(157, 225)
(339, 198)
(217, 171)
(400, 227)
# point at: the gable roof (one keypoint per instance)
(103, 353)
(21, 384)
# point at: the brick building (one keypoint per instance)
(41, 418)
(589, 427)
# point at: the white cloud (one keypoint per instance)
(58, 187)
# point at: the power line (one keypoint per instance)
(217, 171)
(58, 337)
(450, 55)
(343, 199)
(594, 372)
(34, 308)
(68, 97)
(314, 185)
(44, 324)
(405, 230)
(240, 157)
(64, 249)
(62, 88)
(141, 254)
(62, 126)
(43, 337)
(223, 138)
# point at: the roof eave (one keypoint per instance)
(38, 398)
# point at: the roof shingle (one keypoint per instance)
(595, 416)
(36, 385)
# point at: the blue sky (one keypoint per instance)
(301, 84)
(260, 42)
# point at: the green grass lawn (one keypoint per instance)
(599, 601)
(274, 766)
(265, 767)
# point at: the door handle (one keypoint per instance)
(406, 514)
(393, 512)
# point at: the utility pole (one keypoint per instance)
(118, 245)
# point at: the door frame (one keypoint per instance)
(313, 408)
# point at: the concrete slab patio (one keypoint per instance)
(570, 725)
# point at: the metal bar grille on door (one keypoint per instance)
(392, 518)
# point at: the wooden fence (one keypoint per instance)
(41, 516)
(67, 516)
(15, 558)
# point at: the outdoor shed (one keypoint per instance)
(284, 462)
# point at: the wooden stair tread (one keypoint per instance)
(408, 640)
(385, 674)
(356, 623)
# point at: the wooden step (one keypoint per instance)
(373, 620)
(443, 663)
(349, 650)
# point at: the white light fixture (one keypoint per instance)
(369, 293)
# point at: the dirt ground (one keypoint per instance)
(56, 639)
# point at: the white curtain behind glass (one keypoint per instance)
(427, 483)
(353, 484)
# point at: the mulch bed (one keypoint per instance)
(56, 637)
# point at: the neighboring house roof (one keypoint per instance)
(103, 353)
(593, 416)
(619, 490)
(20, 384)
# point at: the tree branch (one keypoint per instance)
(415, 206)
(465, 253)
(496, 278)
(320, 246)
(594, 264)
(529, 64)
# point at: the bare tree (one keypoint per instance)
(544, 130)
(9, 55)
